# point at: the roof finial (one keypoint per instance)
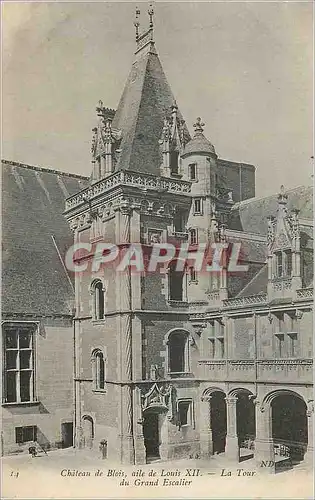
(136, 22)
(282, 196)
(198, 126)
(151, 13)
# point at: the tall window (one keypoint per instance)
(179, 221)
(98, 300)
(176, 282)
(178, 352)
(283, 264)
(197, 206)
(192, 167)
(19, 363)
(174, 162)
(185, 412)
(193, 234)
(98, 369)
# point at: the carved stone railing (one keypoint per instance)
(144, 181)
(180, 235)
(245, 301)
(263, 370)
(213, 296)
(285, 370)
(304, 293)
(280, 285)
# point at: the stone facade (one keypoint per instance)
(200, 363)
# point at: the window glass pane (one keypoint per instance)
(25, 359)
(25, 339)
(11, 386)
(25, 385)
(11, 357)
(11, 340)
(29, 433)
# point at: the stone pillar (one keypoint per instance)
(124, 306)
(308, 457)
(231, 448)
(206, 442)
(163, 433)
(140, 453)
(264, 449)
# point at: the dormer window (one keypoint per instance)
(283, 264)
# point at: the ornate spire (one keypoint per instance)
(198, 126)
(151, 13)
(282, 196)
(137, 23)
(146, 37)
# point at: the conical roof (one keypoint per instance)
(145, 102)
(199, 143)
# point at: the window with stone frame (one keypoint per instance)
(98, 294)
(216, 340)
(26, 434)
(178, 353)
(174, 162)
(185, 412)
(285, 334)
(19, 363)
(176, 283)
(197, 206)
(193, 236)
(98, 370)
(283, 264)
(192, 171)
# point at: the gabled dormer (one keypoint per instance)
(284, 268)
(105, 144)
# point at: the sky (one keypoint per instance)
(245, 67)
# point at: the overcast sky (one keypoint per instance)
(244, 67)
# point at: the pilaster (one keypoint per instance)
(264, 449)
(206, 442)
(231, 448)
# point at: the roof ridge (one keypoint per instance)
(43, 169)
(257, 198)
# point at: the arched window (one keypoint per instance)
(98, 369)
(178, 352)
(98, 293)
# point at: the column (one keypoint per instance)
(231, 448)
(140, 452)
(308, 457)
(124, 306)
(264, 449)
(206, 443)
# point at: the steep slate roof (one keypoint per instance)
(251, 215)
(33, 201)
(145, 102)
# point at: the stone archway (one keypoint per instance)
(213, 425)
(289, 426)
(87, 431)
(241, 424)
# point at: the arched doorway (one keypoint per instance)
(289, 426)
(218, 421)
(151, 435)
(87, 431)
